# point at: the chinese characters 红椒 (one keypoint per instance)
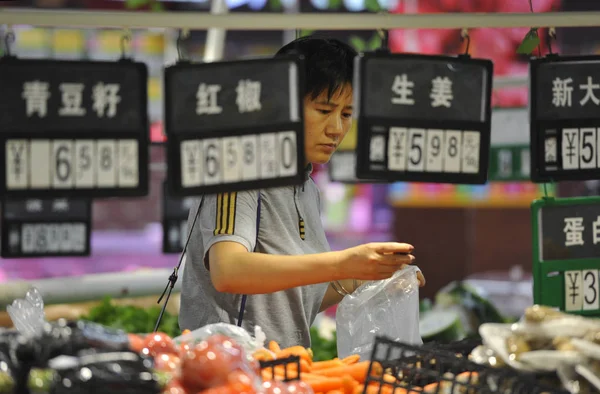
(104, 97)
(248, 95)
(574, 229)
(562, 92)
(440, 94)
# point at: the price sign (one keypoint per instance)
(423, 118)
(565, 118)
(70, 128)
(46, 228)
(566, 253)
(174, 221)
(510, 163)
(234, 125)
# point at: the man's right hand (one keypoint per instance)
(374, 261)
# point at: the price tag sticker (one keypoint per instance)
(73, 128)
(45, 228)
(566, 240)
(564, 118)
(234, 126)
(423, 118)
(342, 168)
(175, 213)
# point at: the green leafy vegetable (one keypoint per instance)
(529, 43)
(323, 348)
(132, 319)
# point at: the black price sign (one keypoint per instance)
(565, 118)
(46, 228)
(70, 128)
(234, 125)
(174, 221)
(423, 118)
(566, 253)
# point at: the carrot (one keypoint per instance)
(335, 392)
(351, 359)
(294, 351)
(325, 385)
(327, 364)
(311, 376)
(274, 347)
(348, 384)
(359, 388)
(358, 371)
(263, 355)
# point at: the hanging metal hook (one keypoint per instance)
(464, 35)
(125, 39)
(384, 36)
(9, 38)
(182, 35)
(551, 37)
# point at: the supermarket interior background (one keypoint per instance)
(482, 233)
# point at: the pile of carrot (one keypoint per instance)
(337, 376)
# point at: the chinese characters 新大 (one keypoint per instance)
(105, 98)
(440, 92)
(574, 229)
(248, 94)
(563, 89)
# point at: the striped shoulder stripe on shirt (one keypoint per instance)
(225, 218)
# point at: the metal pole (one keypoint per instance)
(282, 21)
(216, 37)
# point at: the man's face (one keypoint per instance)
(326, 122)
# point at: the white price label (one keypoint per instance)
(232, 159)
(46, 238)
(587, 148)
(128, 157)
(85, 163)
(288, 160)
(17, 164)
(343, 167)
(525, 163)
(107, 166)
(41, 152)
(573, 291)
(505, 163)
(550, 152)
(377, 148)
(249, 157)
(452, 150)
(212, 161)
(570, 149)
(191, 163)
(268, 156)
(435, 151)
(62, 164)
(590, 290)
(416, 150)
(470, 152)
(396, 148)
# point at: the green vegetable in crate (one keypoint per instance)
(132, 319)
(470, 303)
(441, 326)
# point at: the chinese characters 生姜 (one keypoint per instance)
(248, 97)
(440, 94)
(562, 92)
(105, 98)
(574, 229)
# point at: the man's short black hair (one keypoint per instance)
(329, 63)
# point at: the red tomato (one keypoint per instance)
(274, 387)
(158, 343)
(168, 362)
(299, 387)
(244, 382)
(136, 342)
(207, 365)
(174, 387)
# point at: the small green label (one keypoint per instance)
(529, 43)
(509, 163)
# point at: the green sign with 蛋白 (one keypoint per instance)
(566, 253)
(509, 163)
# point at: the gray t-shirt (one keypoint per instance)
(290, 224)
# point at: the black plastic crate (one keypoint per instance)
(428, 370)
(289, 373)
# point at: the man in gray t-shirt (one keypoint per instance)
(287, 269)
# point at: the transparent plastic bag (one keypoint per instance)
(238, 334)
(27, 314)
(386, 308)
